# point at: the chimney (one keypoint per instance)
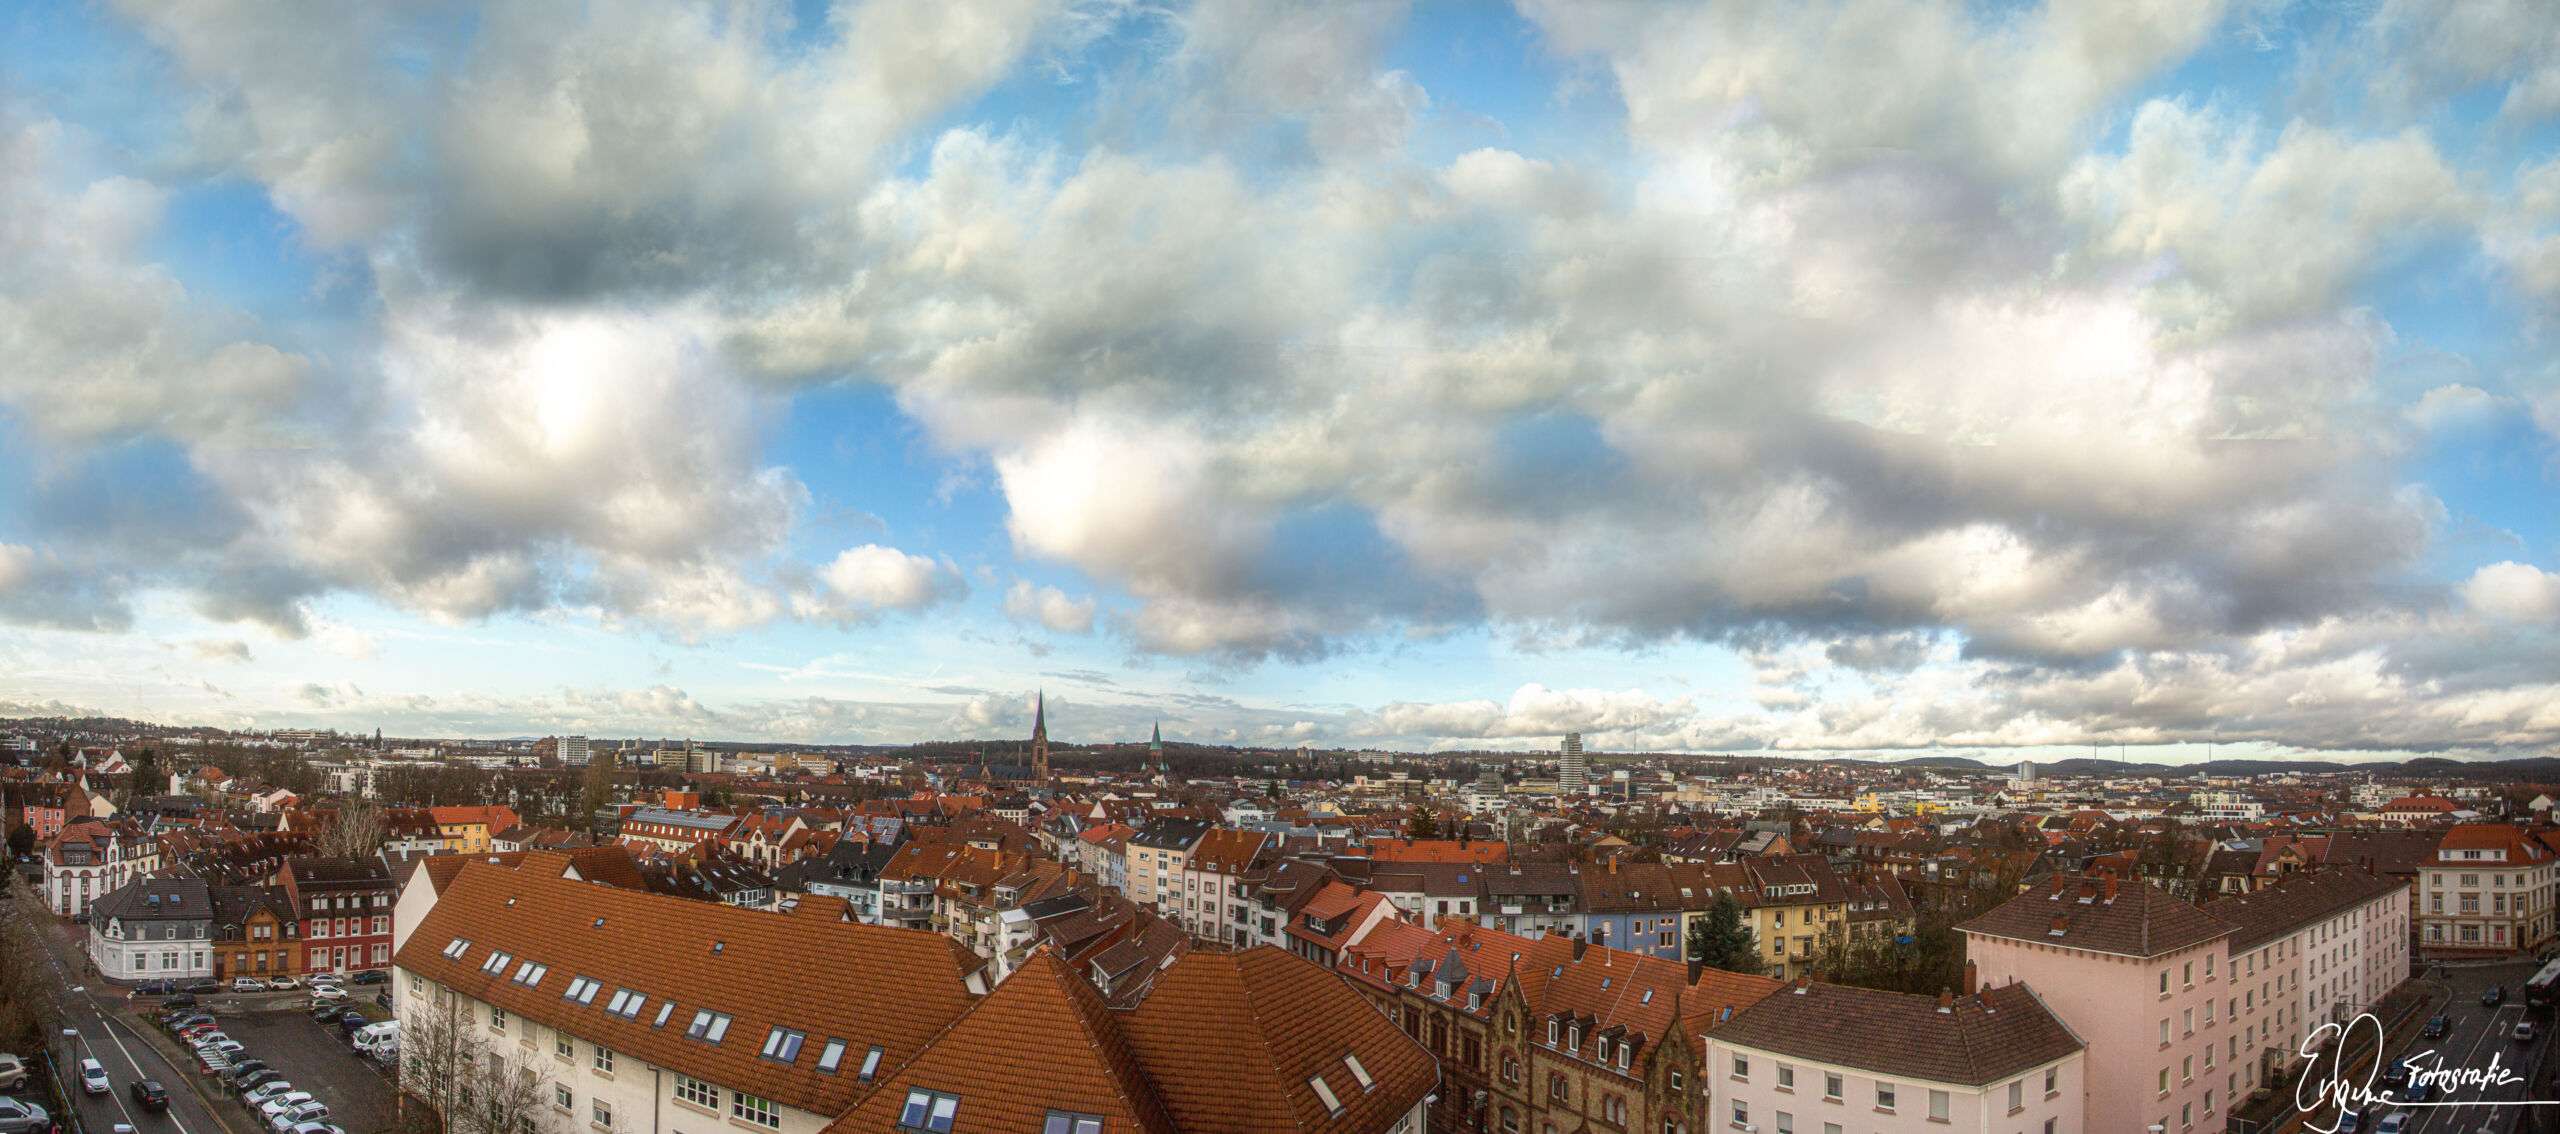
(1972, 979)
(1803, 983)
(1613, 864)
(1946, 1002)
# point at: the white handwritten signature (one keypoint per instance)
(2319, 1089)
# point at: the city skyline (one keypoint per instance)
(2168, 379)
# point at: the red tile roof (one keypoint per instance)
(1232, 1040)
(893, 987)
(2100, 913)
(1975, 1040)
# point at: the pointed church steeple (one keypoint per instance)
(1040, 737)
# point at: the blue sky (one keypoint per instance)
(1869, 378)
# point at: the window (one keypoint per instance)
(602, 1113)
(2018, 1095)
(561, 1047)
(1061, 1122)
(703, 1094)
(1742, 1067)
(604, 1060)
(582, 989)
(761, 1112)
(497, 1018)
(2048, 1126)
(1359, 1074)
(782, 1045)
(830, 1056)
(665, 1008)
(1831, 1085)
(1741, 1113)
(1884, 1096)
(1786, 1077)
(708, 1026)
(497, 962)
(560, 1097)
(1937, 1106)
(457, 947)
(871, 1063)
(1324, 1094)
(1786, 1123)
(928, 1110)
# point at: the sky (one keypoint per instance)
(2173, 379)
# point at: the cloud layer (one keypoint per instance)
(1939, 360)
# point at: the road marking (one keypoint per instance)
(172, 1112)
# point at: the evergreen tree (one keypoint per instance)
(1421, 824)
(1721, 941)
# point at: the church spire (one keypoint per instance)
(1040, 737)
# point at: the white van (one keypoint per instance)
(381, 1039)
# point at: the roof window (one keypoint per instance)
(666, 1008)
(457, 947)
(929, 1111)
(1358, 1073)
(831, 1056)
(626, 1003)
(583, 990)
(1324, 1094)
(708, 1026)
(782, 1045)
(497, 962)
(871, 1063)
(1064, 1122)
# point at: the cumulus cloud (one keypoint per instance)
(1049, 607)
(220, 649)
(866, 580)
(2519, 591)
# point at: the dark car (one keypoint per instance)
(148, 1095)
(156, 988)
(2496, 995)
(204, 988)
(2437, 1026)
(244, 1069)
(255, 1079)
(351, 1021)
(181, 1000)
(372, 976)
(2417, 1092)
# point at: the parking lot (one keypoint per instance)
(124, 1033)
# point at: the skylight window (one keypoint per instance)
(1063, 1122)
(831, 1056)
(583, 990)
(930, 1111)
(497, 962)
(871, 1063)
(457, 948)
(782, 1045)
(1324, 1094)
(708, 1026)
(1359, 1073)
(665, 1008)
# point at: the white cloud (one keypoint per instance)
(1049, 607)
(866, 580)
(2511, 590)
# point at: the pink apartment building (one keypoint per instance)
(1829, 1059)
(2318, 946)
(2138, 975)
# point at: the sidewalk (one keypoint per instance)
(2400, 1011)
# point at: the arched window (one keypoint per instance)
(1556, 1089)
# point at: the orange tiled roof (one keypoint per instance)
(1232, 1040)
(1041, 1041)
(1438, 850)
(895, 988)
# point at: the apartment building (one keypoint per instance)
(1157, 854)
(2487, 890)
(1828, 1059)
(92, 858)
(2317, 946)
(2138, 975)
(153, 928)
(344, 906)
(1216, 903)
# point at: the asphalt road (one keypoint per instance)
(99, 1012)
(2477, 1035)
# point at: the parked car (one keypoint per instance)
(204, 988)
(296, 1115)
(2437, 1026)
(23, 1118)
(268, 1091)
(148, 1095)
(350, 1020)
(317, 1128)
(326, 993)
(226, 1047)
(282, 1102)
(2496, 995)
(250, 1083)
(93, 1078)
(13, 1072)
(241, 1069)
(155, 988)
(2523, 1032)
(247, 984)
(326, 978)
(283, 983)
(372, 976)
(181, 1000)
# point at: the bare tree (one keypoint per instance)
(468, 1079)
(28, 1014)
(356, 833)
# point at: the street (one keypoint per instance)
(2477, 1034)
(106, 1034)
